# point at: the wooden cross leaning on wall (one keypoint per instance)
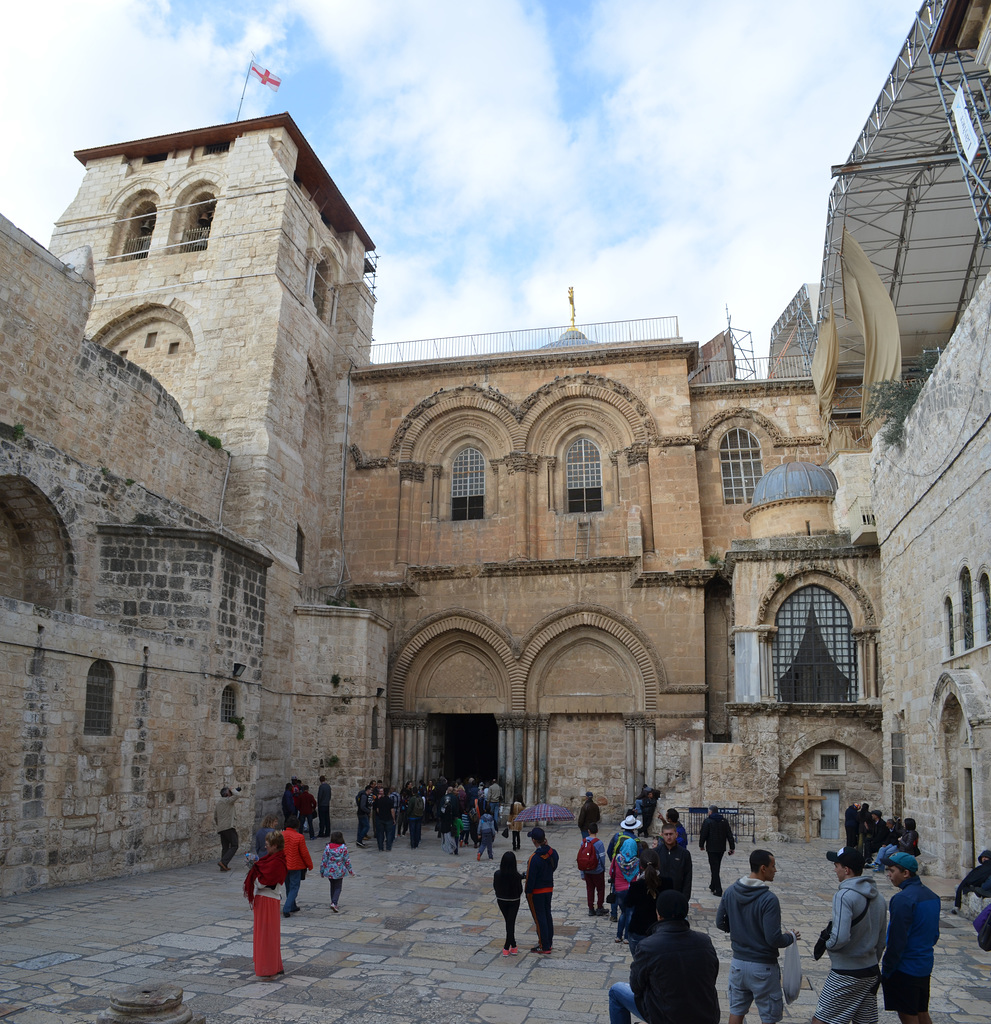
(807, 799)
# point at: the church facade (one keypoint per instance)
(233, 549)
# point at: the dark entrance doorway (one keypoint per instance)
(471, 746)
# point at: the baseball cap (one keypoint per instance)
(536, 833)
(902, 860)
(588, 794)
(848, 857)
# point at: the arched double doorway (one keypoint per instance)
(566, 709)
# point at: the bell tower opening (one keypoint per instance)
(470, 745)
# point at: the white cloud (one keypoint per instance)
(664, 159)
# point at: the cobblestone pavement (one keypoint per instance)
(418, 939)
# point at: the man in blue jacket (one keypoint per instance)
(913, 931)
(539, 887)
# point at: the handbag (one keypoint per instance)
(983, 926)
(791, 973)
(505, 833)
(610, 897)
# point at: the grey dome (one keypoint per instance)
(794, 480)
(572, 336)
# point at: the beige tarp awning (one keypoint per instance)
(824, 365)
(868, 305)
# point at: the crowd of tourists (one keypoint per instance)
(646, 886)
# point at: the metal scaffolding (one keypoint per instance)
(907, 193)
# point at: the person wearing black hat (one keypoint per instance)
(673, 976)
(587, 813)
(539, 887)
(854, 940)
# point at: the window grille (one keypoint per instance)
(815, 654)
(99, 717)
(967, 597)
(985, 585)
(228, 704)
(468, 485)
(740, 463)
(948, 611)
(583, 468)
(216, 147)
(898, 757)
(829, 762)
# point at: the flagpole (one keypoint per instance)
(244, 89)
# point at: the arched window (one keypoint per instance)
(468, 485)
(948, 615)
(967, 599)
(985, 586)
(99, 716)
(228, 704)
(584, 477)
(815, 654)
(739, 460)
(198, 221)
(138, 227)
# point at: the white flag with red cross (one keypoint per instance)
(266, 77)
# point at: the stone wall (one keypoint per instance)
(930, 499)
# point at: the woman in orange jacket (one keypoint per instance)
(298, 860)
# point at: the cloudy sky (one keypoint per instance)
(663, 158)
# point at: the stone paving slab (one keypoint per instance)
(418, 939)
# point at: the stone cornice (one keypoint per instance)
(816, 553)
(537, 358)
(220, 540)
(868, 712)
(774, 386)
(340, 612)
(399, 588)
(676, 578)
(548, 567)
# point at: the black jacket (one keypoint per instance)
(676, 864)
(673, 976)
(715, 834)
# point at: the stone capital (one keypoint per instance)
(412, 471)
(520, 462)
(637, 453)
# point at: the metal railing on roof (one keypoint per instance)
(722, 371)
(656, 329)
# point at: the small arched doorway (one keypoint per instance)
(957, 800)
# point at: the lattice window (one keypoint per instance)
(584, 477)
(99, 716)
(739, 460)
(948, 616)
(468, 485)
(829, 762)
(985, 585)
(815, 654)
(228, 704)
(967, 598)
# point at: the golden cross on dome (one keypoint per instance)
(571, 299)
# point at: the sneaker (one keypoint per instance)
(591, 912)
(602, 912)
(333, 907)
(513, 951)
(362, 845)
(536, 949)
(506, 952)
(479, 857)
(546, 952)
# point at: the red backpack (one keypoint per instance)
(588, 859)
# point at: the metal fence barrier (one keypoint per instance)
(742, 820)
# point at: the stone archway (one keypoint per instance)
(956, 825)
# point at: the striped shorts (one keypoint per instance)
(848, 1000)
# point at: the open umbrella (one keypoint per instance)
(545, 812)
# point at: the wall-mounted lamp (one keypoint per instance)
(238, 670)
(380, 691)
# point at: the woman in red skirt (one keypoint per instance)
(264, 888)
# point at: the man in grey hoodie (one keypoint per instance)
(751, 914)
(855, 944)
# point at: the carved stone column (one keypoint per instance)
(766, 634)
(542, 722)
(419, 757)
(397, 730)
(518, 750)
(507, 755)
(867, 661)
(630, 766)
(521, 467)
(530, 773)
(410, 481)
(638, 461)
(435, 478)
